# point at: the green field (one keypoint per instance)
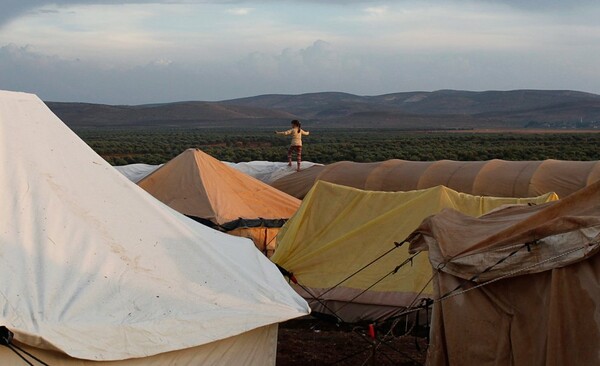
(155, 146)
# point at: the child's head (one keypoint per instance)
(296, 123)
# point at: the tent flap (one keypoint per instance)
(537, 269)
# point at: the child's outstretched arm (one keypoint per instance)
(283, 132)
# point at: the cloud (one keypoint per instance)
(314, 68)
(542, 5)
(12, 9)
(321, 66)
(376, 10)
(239, 11)
(58, 79)
(158, 52)
(318, 67)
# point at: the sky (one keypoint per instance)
(157, 51)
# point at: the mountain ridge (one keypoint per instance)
(441, 109)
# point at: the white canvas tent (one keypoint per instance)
(93, 268)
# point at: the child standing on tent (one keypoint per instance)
(296, 146)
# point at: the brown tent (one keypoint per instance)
(205, 189)
(518, 286)
(498, 178)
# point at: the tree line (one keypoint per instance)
(156, 146)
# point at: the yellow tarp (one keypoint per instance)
(338, 230)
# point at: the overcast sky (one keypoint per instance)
(136, 52)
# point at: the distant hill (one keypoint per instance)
(178, 114)
(443, 109)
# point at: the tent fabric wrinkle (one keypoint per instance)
(100, 270)
(537, 269)
(494, 178)
(227, 195)
(340, 230)
(200, 186)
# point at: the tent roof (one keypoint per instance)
(465, 246)
(196, 184)
(516, 286)
(338, 230)
(95, 267)
(497, 178)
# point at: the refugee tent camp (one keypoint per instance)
(340, 247)
(497, 178)
(94, 269)
(519, 286)
(201, 187)
(265, 171)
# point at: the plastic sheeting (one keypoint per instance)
(539, 269)
(268, 171)
(498, 178)
(136, 172)
(265, 171)
(94, 268)
(339, 230)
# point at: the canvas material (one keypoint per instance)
(542, 307)
(495, 178)
(101, 270)
(338, 230)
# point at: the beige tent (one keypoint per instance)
(339, 231)
(209, 191)
(519, 286)
(95, 271)
(497, 178)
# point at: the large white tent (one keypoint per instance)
(93, 268)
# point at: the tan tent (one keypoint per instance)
(338, 231)
(95, 271)
(497, 178)
(519, 286)
(209, 191)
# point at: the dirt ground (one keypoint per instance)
(310, 342)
